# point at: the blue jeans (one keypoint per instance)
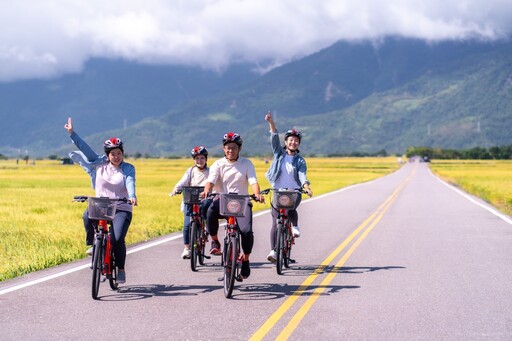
(186, 224)
(120, 225)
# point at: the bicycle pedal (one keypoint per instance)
(291, 260)
(207, 257)
(220, 279)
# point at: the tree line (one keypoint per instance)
(476, 153)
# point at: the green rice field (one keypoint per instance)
(491, 180)
(40, 227)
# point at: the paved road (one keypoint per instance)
(400, 258)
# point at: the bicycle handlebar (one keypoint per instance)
(267, 190)
(252, 196)
(83, 198)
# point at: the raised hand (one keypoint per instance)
(69, 126)
(270, 120)
(268, 117)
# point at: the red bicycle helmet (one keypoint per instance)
(112, 143)
(199, 150)
(293, 132)
(232, 137)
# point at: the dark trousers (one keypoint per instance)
(120, 225)
(245, 224)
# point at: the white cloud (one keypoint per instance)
(47, 38)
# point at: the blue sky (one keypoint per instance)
(48, 38)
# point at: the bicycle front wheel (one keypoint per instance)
(112, 280)
(280, 248)
(194, 245)
(230, 255)
(201, 243)
(97, 263)
(287, 246)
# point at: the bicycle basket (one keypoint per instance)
(285, 199)
(233, 205)
(191, 194)
(101, 208)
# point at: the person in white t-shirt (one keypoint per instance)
(288, 171)
(232, 174)
(194, 176)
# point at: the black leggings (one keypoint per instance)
(293, 216)
(245, 224)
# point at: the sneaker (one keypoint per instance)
(272, 256)
(246, 269)
(186, 253)
(88, 252)
(215, 249)
(296, 231)
(121, 276)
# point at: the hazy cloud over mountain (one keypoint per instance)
(47, 38)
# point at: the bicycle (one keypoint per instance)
(103, 263)
(197, 232)
(232, 206)
(282, 201)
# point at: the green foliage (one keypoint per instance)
(476, 153)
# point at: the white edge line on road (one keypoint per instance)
(149, 245)
(470, 198)
(83, 266)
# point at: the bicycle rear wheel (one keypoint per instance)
(230, 255)
(194, 245)
(97, 263)
(280, 248)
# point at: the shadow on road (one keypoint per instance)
(307, 270)
(249, 291)
(138, 292)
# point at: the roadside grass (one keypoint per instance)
(490, 180)
(40, 227)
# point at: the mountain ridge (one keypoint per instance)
(349, 97)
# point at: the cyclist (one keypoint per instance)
(194, 176)
(288, 170)
(111, 177)
(232, 174)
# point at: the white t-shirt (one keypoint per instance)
(233, 177)
(110, 184)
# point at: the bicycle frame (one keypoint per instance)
(284, 240)
(198, 237)
(103, 232)
(231, 255)
(105, 265)
(103, 260)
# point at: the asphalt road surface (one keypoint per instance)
(404, 257)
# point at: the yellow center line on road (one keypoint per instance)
(369, 224)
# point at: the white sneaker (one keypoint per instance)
(88, 252)
(272, 256)
(296, 231)
(186, 253)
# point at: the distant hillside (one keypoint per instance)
(357, 97)
(106, 95)
(348, 97)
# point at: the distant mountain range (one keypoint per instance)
(359, 96)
